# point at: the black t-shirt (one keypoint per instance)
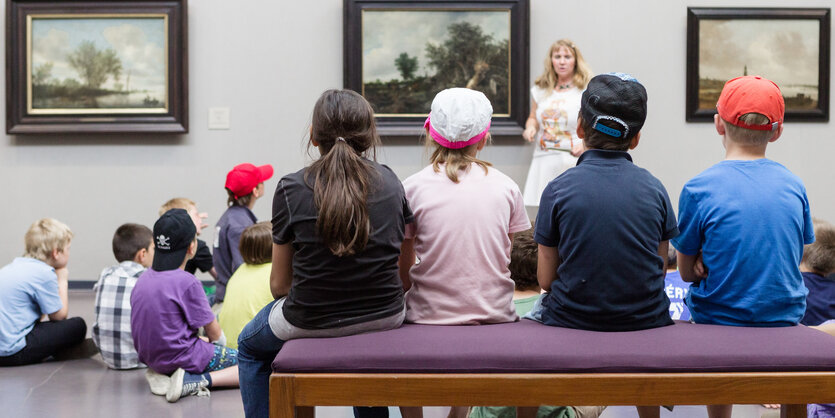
(202, 259)
(606, 216)
(330, 291)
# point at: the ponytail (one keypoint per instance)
(342, 178)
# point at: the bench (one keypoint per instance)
(529, 364)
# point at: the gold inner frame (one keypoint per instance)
(509, 51)
(68, 111)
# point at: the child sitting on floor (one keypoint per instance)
(523, 259)
(168, 307)
(133, 246)
(249, 288)
(819, 261)
(676, 288)
(35, 285)
(244, 186)
(202, 260)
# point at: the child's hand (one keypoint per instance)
(577, 148)
(63, 274)
(699, 268)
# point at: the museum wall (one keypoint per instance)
(269, 60)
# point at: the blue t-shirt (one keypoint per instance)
(607, 217)
(750, 220)
(820, 303)
(28, 289)
(677, 290)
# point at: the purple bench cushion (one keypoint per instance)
(530, 347)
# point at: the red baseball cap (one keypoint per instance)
(751, 94)
(243, 179)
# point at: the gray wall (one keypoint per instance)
(268, 61)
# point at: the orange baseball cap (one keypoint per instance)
(751, 94)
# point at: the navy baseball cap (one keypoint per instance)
(174, 231)
(617, 99)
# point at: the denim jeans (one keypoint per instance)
(257, 348)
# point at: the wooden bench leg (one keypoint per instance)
(282, 401)
(305, 412)
(792, 411)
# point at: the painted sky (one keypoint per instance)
(387, 34)
(785, 51)
(139, 43)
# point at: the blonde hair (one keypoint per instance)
(582, 73)
(455, 160)
(44, 236)
(177, 203)
(820, 255)
(745, 136)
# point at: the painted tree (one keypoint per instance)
(406, 65)
(470, 58)
(42, 73)
(94, 65)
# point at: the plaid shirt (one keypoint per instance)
(111, 332)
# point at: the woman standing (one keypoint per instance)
(552, 124)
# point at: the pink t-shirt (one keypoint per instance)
(461, 239)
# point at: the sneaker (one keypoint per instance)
(185, 384)
(159, 383)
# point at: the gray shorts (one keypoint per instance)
(286, 331)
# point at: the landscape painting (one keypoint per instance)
(97, 64)
(410, 55)
(784, 51)
(789, 46)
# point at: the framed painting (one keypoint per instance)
(96, 67)
(789, 46)
(399, 54)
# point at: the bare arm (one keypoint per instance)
(281, 275)
(663, 246)
(531, 125)
(691, 267)
(827, 328)
(63, 282)
(548, 261)
(406, 261)
(213, 331)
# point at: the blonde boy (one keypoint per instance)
(32, 286)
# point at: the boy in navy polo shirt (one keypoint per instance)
(603, 225)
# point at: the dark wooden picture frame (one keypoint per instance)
(806, 99)
(509, 117)
(111, 91)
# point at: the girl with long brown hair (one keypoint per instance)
(337, 228)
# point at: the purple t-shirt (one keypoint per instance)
(167, 308)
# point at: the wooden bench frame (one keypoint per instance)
(296, 394)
